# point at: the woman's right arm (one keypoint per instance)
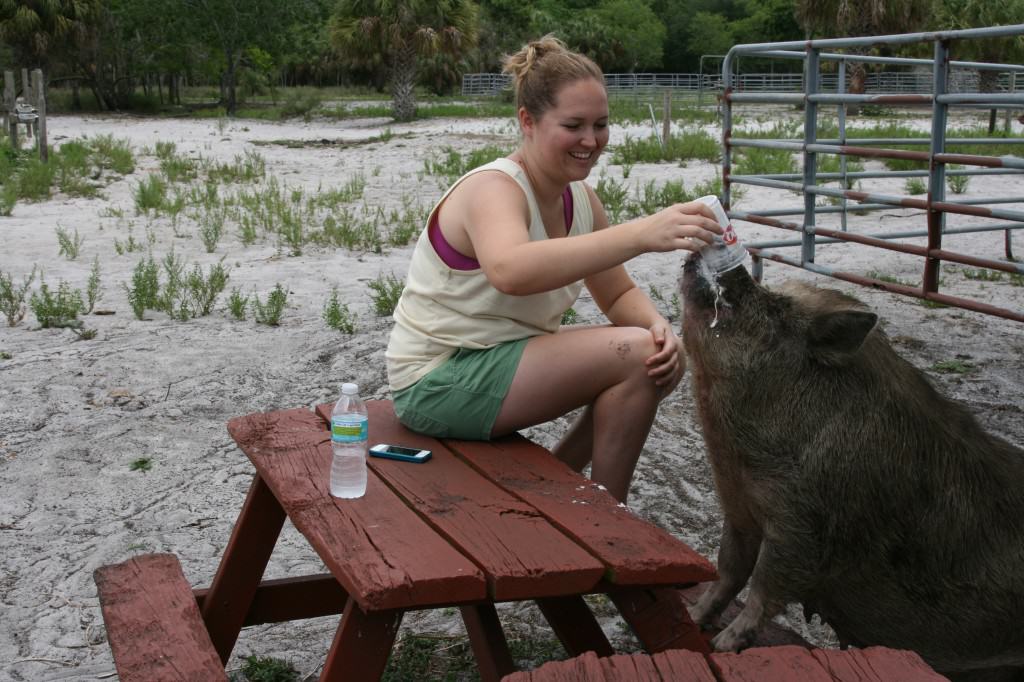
(495, 216)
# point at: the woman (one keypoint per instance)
(476, 351)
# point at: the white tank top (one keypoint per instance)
(442, 310)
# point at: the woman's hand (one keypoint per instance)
(688, 226)
(668, 364)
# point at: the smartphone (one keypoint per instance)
(400, 453)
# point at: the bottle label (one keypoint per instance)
(348, 430)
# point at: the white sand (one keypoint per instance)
(75, 414)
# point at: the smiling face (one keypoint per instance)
(565, 142)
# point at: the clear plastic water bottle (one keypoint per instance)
(348, 440)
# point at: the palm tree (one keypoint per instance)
(850, 18)
(399, 32)
(39, 30)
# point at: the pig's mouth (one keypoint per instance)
(698, 291)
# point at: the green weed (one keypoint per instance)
(113, 154)
(237, 304)
(270, 313)
(952, 367)
(57, 309)
(142, 464)
(957, 183)
(385, 292)
(337, 315)
(915, 186)
(763, 161)
(249, 167)
(145, 287)
(8, 198)
(1016, 279)
(12, 296)
(68, 245)
(268, 669)
(891, 279)
(453, 165)
(570, 317)
(93, 292)
(35, 180)
(983, 275)
(128, 245)
(150, 194)
(615, 198)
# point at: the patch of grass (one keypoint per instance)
(127, 246)
(249, 167)
(346, 228)
(983, 275)
(35, 180)
(145, 287)
(891, 279)
(150, 194)
(113, 154)
(452, 165)
(337, 314)
(681, 147)
(614, 196)
(142, 464)
(268, 669)
(915, 186)
(270, 312)
(12, 296)
(762, 161)
(953, 367)
(4, 355)
(570, 317)
(58, 308)
(385, 292)
(928, 303)
(8, 198)
(1016, 279)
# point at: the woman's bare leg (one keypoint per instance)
(599, 367)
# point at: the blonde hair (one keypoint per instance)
(541, 68)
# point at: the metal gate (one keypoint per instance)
(937, 206)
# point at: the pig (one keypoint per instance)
(848, 484)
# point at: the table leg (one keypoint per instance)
(241, 568)
(361, 644)
(660, 619)
(488, 641)
(574, 623)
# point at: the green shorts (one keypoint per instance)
(462, 397)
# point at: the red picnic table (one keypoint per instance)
(478, 524)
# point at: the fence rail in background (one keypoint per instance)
(950, 84)
(962, 79)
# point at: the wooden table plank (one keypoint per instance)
(635, 551)
(875, 664)
(769, 664)
(380, 551)
(522, 555)
(679, 664)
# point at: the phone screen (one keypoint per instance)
(399, 450)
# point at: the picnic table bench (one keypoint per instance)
(764, 664)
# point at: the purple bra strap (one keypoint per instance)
(458, 261)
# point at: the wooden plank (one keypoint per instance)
(490, 648)
(361, 645)
(769, 664)
(522, 555)
(380, 551)
(153, 624)
(875, 664)
(679, 664)
(241, 567)
(283, 599)
(574, 624)
(635, 551)
(630, 668)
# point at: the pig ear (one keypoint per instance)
(833, 338)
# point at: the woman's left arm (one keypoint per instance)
(626, 305)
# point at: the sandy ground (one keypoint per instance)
(74, 414)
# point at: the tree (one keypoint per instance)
(40, 31)
(849, 18)
(233, 26)
(399, 32)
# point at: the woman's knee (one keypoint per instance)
(633, 346)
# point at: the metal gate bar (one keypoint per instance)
(938, 156)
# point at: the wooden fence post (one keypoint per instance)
(12, 120)
(26, 95)
(39, 88)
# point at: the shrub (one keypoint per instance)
(915, 186)
(68, 245)
(150, 194)
(385, 292)
(958, 183)
(237, 304)
(92, 289)
(337, 315)
(12, 298)
(145, 288)
(270, 313)
(35, 180)
(57, 309)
